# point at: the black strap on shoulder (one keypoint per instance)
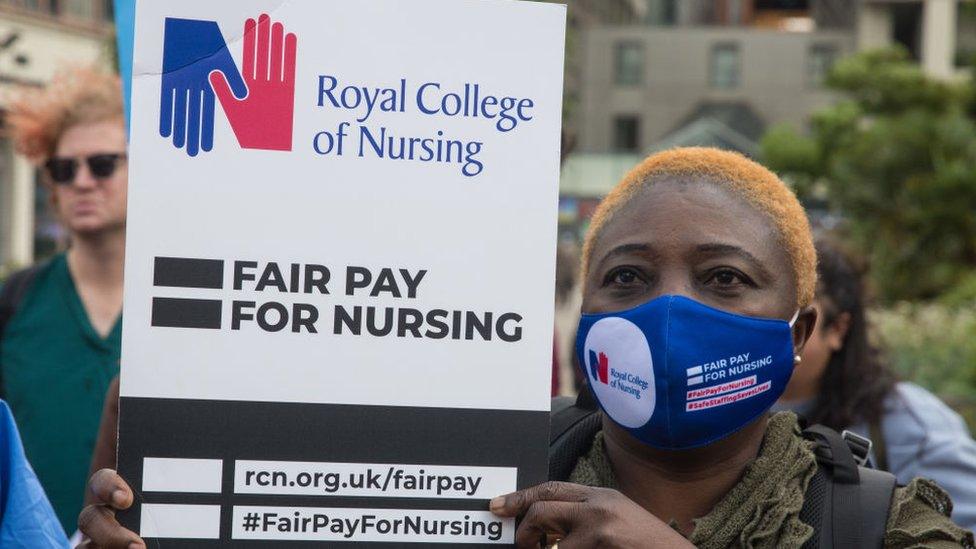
(846, 503)
(573, 424)
(566, 413)
(877, 490)
(832, 450)
(13, 292)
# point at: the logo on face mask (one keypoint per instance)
(620, 365)
(716, 371)
(599, 367)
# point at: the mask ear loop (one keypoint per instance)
(796, 315)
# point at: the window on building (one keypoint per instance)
(629, 63)
(79, 9)
(735, 12)
(33, 5)
(724, 66)
(820, 59)
(966, 35)
(906, 22)
(662, 12)
(783, 5)
(626, 133)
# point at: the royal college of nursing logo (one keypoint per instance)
(621, 370)
(198, 70)
(599, 367)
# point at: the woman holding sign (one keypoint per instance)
(699, 273)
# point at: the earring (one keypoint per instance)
(797, 359)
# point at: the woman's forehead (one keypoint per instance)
(680, 215)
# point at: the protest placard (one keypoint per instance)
(339, 268)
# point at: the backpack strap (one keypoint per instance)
(566, 413)
(854, 501)
(877, 490)
(13, 292)
(832, 451)
(573, 424)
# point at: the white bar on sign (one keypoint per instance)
(695, 380)
(390, 480)
(164, 520)
(360, 525)
(694, 371)
(182, 475)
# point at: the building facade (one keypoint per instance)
(37, 38)
(721, 72)
(661, 80)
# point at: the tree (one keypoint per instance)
(897, 159)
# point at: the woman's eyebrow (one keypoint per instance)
(624, 249)
(731, 249)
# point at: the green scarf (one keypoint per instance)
(762, 510)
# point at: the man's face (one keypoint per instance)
(92, 203)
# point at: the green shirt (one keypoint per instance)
(55, 370)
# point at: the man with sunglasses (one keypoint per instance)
(60, 331)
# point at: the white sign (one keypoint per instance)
(341, 245)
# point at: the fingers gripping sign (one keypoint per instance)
(581, 516)
(263, 118)
(97, 521)
(192, 50)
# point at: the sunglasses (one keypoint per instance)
(64, 169)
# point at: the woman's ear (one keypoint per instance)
(803, 328)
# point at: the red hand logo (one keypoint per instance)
(264, 118)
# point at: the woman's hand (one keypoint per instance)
(582, 517)
(97, 521)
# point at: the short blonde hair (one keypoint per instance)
(38, 117)
(745, 178)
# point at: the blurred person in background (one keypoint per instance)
(568, 298)
(843, 382)
(26, 517)
(61, 319)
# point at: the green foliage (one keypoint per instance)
(797, 156)
(962, 294)
(932, 345)
(897, 158)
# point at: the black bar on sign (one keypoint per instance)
(185, 272)
(186, 313)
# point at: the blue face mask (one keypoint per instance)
(679, 374)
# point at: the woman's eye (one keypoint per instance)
(623, 277)
(725, 277)
(728, 278)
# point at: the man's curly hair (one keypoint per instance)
(36, 118)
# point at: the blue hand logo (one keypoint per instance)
(191, 51)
